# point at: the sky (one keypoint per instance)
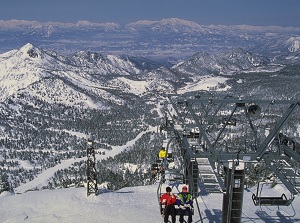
(204, 12)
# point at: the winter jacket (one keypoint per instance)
(168, 199)
(162, 154)
(184, 198)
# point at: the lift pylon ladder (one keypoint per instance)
(92, 187)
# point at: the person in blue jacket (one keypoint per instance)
(185, 204)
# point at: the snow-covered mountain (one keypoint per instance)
(91, 79)
(87, 78)
(170, 38)
(227, 63)
(83, 76)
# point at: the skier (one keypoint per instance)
(185, 204)
(162, 153)
(167, 202)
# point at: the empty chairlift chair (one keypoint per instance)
(260, 200)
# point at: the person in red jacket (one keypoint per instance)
(167, 202)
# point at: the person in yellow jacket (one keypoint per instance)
(162, 153)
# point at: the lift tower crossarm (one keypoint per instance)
(175, 108)
(203, 132)
(275, 130)
(224, 126)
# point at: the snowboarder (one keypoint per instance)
(167, 202)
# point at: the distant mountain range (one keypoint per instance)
(167, 40)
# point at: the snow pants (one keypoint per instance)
(170, 210)
(182, 212)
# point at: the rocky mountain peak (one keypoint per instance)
(31, 51)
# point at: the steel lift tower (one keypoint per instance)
(92, 187)
(222, 136)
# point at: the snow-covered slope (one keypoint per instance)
(205, 83)
(128, 205)
(73, 206)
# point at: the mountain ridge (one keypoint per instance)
(91, 70)
(160, 40)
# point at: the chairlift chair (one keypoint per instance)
(260, 200)
(170, 157)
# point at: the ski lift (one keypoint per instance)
(170, 157)
(260, 200)
(231, 121)
(154, 167)
(193, 133)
